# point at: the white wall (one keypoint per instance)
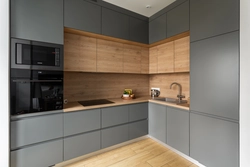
(244, 83)
(4, 78)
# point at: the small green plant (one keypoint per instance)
(126, 92)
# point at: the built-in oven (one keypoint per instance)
(35, 91)
(26, 54)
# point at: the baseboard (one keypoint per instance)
(178, 152)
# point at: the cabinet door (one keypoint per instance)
(178, 19)
(36, 129)
(82, 121)
(145, 61)
(157, 121)
(153, 60)
(158, 29)
(214, 142)
(82, 15)
(79, 53)
(114, 116)
(40, 155)
(166, 57)
(115, 24)
(137, 129)
(214, 76)
(132, 59)
(114, 135)
(79, 145)
(109, 56)
(138, 30)
(40, 20)
(181, 55)
(138, 111)
(211, 18)
(178, 129)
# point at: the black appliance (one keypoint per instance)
(26, 54)
(35, 91)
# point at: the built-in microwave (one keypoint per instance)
(26, 54)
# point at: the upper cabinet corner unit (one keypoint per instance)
(37, 20)
(212, 18)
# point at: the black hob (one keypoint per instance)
(95, 102)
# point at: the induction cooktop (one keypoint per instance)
(95, 102)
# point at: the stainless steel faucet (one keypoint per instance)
(180, 96)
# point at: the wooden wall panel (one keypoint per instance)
(132, 59)
(153, 60)
(166, 57)
(145, 60)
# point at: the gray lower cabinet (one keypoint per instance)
(79, 145)
(213, 17)
(157, 117)
(81, 121)
(36, 129)
(40, 155)
(40, 20)
(214, 76)
(138, 30)
(112, 116)
(158, 29)
(214, 142)
(115, 24)
(137, 129)
(178, 19)
(178, 129)
(138, 111)
(82, 15)
(114, 135)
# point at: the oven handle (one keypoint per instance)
(26, 81)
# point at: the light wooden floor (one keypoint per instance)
(144, 153)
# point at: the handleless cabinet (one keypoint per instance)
(138, 30)
(137, 129)
(158, 29)
(138, 111)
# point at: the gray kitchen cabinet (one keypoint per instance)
(214, 76)
(36, 129)
(178, 19)
(82, 15)
(115, 24)
(40, 155)
(137, 129)
(138, 30)
(114, 135)
(112, 116)
(213, 17)
(138, 111)
(157, 121)
(81, 121)
(79, 145)
(40, 20)
(214, 142)
(158, 29)
(178, 129)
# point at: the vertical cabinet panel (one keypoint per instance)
(138, 111)
(158, 29)
(214, 142)
(79, 53)
(145, 60)
(132, 59)
(153, 60)
(138, 30)
(211, 18)
(214, 72)
(166, 57)
(37, 20)
(137, 129)
(82, 15)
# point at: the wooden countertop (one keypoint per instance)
(75, 106)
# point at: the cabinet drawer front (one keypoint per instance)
(41, 155)
(81, 144)
(138, 129)
(138, 111)
(114, 116)
(82, 121)
(115, 135)
(37, 129)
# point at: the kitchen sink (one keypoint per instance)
(172, 100)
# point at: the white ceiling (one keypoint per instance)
(139, 6)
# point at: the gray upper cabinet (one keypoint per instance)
(178, 19)
(138, 30)
(138, 111)
(36, 129)
(214, 76)
(82, 15)
(115, 24)
(213, 17)
(158, 29)
(214, 142)
(178, 129)
(40, 20)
